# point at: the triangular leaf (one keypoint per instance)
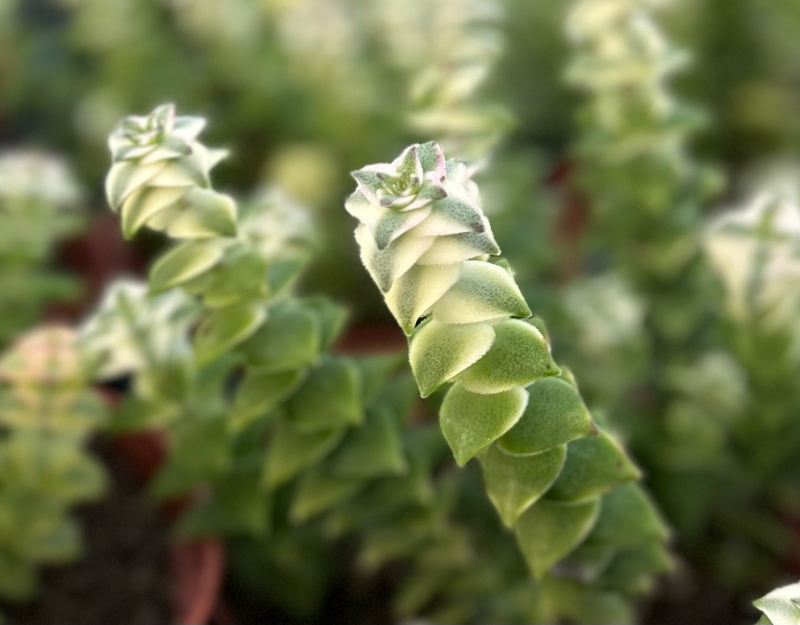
(289, 340)
(628, 518)
(412, 295)
(289, 452)
(203, 213)
(456, 248)
(372, 450)
(225, 328)
(470, 421)
(518, 357)
(319, 491)
(258, 393)
(632, 570)
(332, 318)
(515, 482)
(555, 415)
(125, 177)
(579, 603)
(484, 292)
(143, 204)
(184, 262)
(594, 466)
(550, 530)
(438, 352)
(329, 397)
(389, 264)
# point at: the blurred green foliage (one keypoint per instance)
(682, 329)
(47, 415)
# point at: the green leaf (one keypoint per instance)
(550, 530)
(456, 248)
(200, 452)
(184, 262)
(484, 292)
(589, 561)
(239, 277)
(516, 482)
(332, 318)
(258, 393)
(370, 451)
(781, 605)
(518, 357)
(391, 263)
(555, 415)
(126, 177)
(632, 570)
(627, 518)
(399, 396)
(390, 224)
(451, 216)
(579, 603)
(438, 352)
(237, 505)
(416, 591)
(413, 295)
(283, 272)
(143, 204)
(226, 328)
(203, 213)
(594, 466)
(319, 491)
(289, 452)
(375, 373)
(289, 340)
(181, 172)
(471, 421)
(330, 397)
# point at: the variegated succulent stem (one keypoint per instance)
(326, 411)
(160, 178)
(563, 484)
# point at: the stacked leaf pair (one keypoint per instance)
(564, 485)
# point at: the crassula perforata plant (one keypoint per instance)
(47, 414)
(556, 477)
(224, 356)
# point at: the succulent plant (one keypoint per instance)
(561, 482)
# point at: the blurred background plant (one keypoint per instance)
(601, 132)
(40, 207)
(47, 415)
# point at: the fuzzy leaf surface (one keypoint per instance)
(471, 421)
(519, 356)
(438, 351)
(516, 482)
(555, 415)
(484, 292)
(550, 530)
